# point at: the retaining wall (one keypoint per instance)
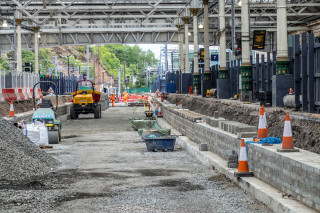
(297, 174)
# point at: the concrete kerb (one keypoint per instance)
(262, 191)
(277, 203)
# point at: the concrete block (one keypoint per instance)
(221, 123)
(245, 128)
(232, 127)
(228, 126)
(216, 114)
(232, 165)
(203, 147)
(215, 121)
(246, 134)
(208, 119)
(230, 152)
(232, 157)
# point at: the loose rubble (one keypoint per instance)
(20, 159)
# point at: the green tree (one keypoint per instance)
(28, 57)
(4, 64)
(113, 57)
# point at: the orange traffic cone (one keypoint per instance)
(11, 112)
(265, 117)
(262, 129)
(287, 140)
(159, 112)
(290, 91)
(243, 168)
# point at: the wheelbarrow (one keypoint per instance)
(164, 143)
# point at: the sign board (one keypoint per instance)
(50, 90)
(214, 57)
(259, 38)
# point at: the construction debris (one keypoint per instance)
(20, 159)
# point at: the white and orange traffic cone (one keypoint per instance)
(11, 112)
(287, 140)
(159, 112)
(290, 91)
(243, 168)
(262, 129)
(265, 117)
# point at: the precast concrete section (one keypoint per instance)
(105, 167)
(277, 175)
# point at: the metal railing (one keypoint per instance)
(14, 80)
(66, 84)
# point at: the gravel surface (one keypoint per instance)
(20, 159)
(105, 168)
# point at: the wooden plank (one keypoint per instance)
(45, 147)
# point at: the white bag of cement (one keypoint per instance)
(44, 137)
(37, 133)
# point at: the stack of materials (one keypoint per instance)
(20, 159)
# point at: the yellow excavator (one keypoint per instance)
(85, 100)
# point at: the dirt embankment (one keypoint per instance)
(306, 132)
(27, 105)
(94, 60)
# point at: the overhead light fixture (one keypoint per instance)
(5, 23)
(189, 34)
(39, 36)
(200, 26)
(240, 3)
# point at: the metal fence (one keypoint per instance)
(65, 84)
(17, 79)
(306, 72)
(304, 55)
(262, 70)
